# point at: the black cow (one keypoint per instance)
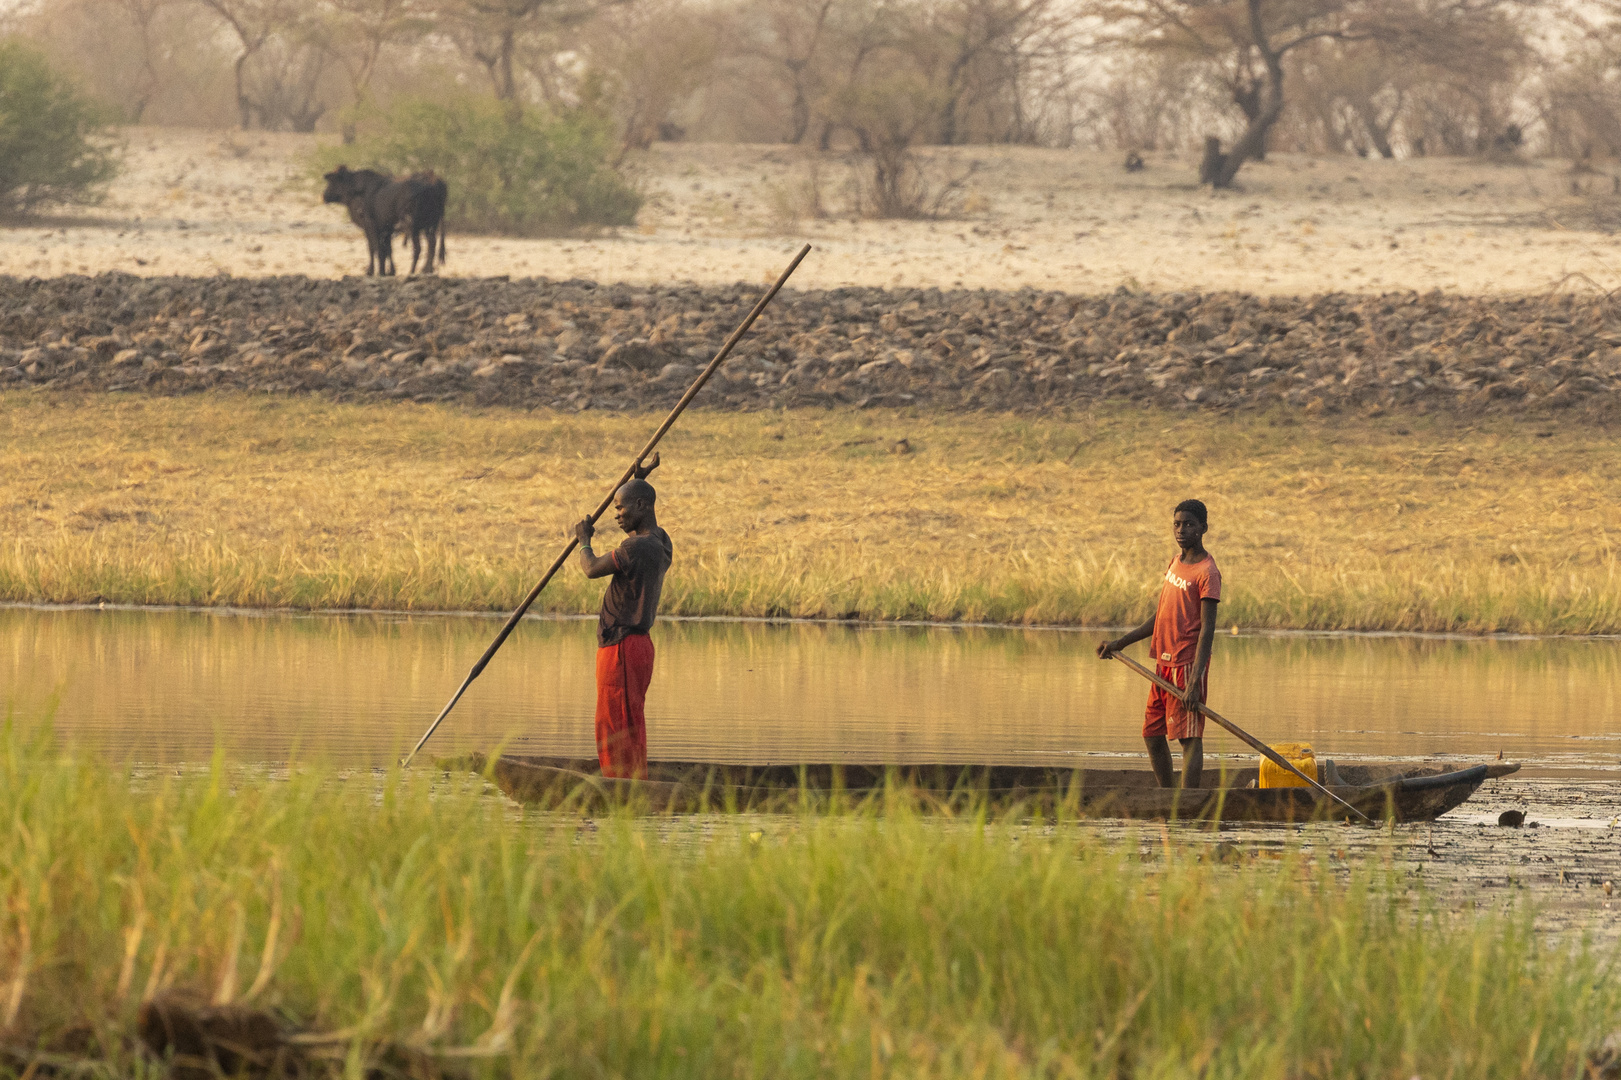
(379, 204)
(356, 189)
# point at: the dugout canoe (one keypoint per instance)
(1383, 791)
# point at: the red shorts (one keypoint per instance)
(623, 674)
(1165, 715)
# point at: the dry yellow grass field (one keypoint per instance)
(205, 202)
(1402, 524)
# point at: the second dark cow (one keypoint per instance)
(379, 204)
(425, 216)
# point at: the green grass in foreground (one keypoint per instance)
(429, 916)
(1336, 523)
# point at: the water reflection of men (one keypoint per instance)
(631, 603)
(1183, 628)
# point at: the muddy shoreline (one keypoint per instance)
(576, 345)
(1465, 859)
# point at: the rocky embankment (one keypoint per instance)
(573, 345)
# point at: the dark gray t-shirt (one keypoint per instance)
(632, 601)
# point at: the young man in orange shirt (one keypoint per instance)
(1183, 629)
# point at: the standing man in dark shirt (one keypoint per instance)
(624, 651)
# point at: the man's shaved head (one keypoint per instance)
(639, 491)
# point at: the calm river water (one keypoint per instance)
(171, 685)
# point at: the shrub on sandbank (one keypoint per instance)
(516, 170)
(54, 146)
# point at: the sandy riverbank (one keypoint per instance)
(194, 202)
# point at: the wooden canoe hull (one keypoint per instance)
(1382, 792)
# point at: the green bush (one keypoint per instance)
(53, 140)
(524, 172)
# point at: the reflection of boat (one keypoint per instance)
(1381, 791)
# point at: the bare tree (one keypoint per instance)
(142, 16)
(852, 76)
(985, 49)
(1147, 101)
(1371, 64)
(500, 35)
(147, 58)
(358, 32)
(289, 79)
(893, 93)
(1459, 64)
(990, 67)
(1582, 92)
(1350, 95)
(889, 113)
(1246, 41)
(645, 59)
(789, 38)
(253, 23)
(1582, 102)
(503, 23)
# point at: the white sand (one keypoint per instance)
(209, 202)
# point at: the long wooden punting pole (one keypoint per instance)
(607, 501)
(1243, 736)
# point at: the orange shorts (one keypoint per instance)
(1165, 715)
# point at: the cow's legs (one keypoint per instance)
(433, 240)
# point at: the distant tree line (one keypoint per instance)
(882, 77)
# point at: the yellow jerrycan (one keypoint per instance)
(1297, 754)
